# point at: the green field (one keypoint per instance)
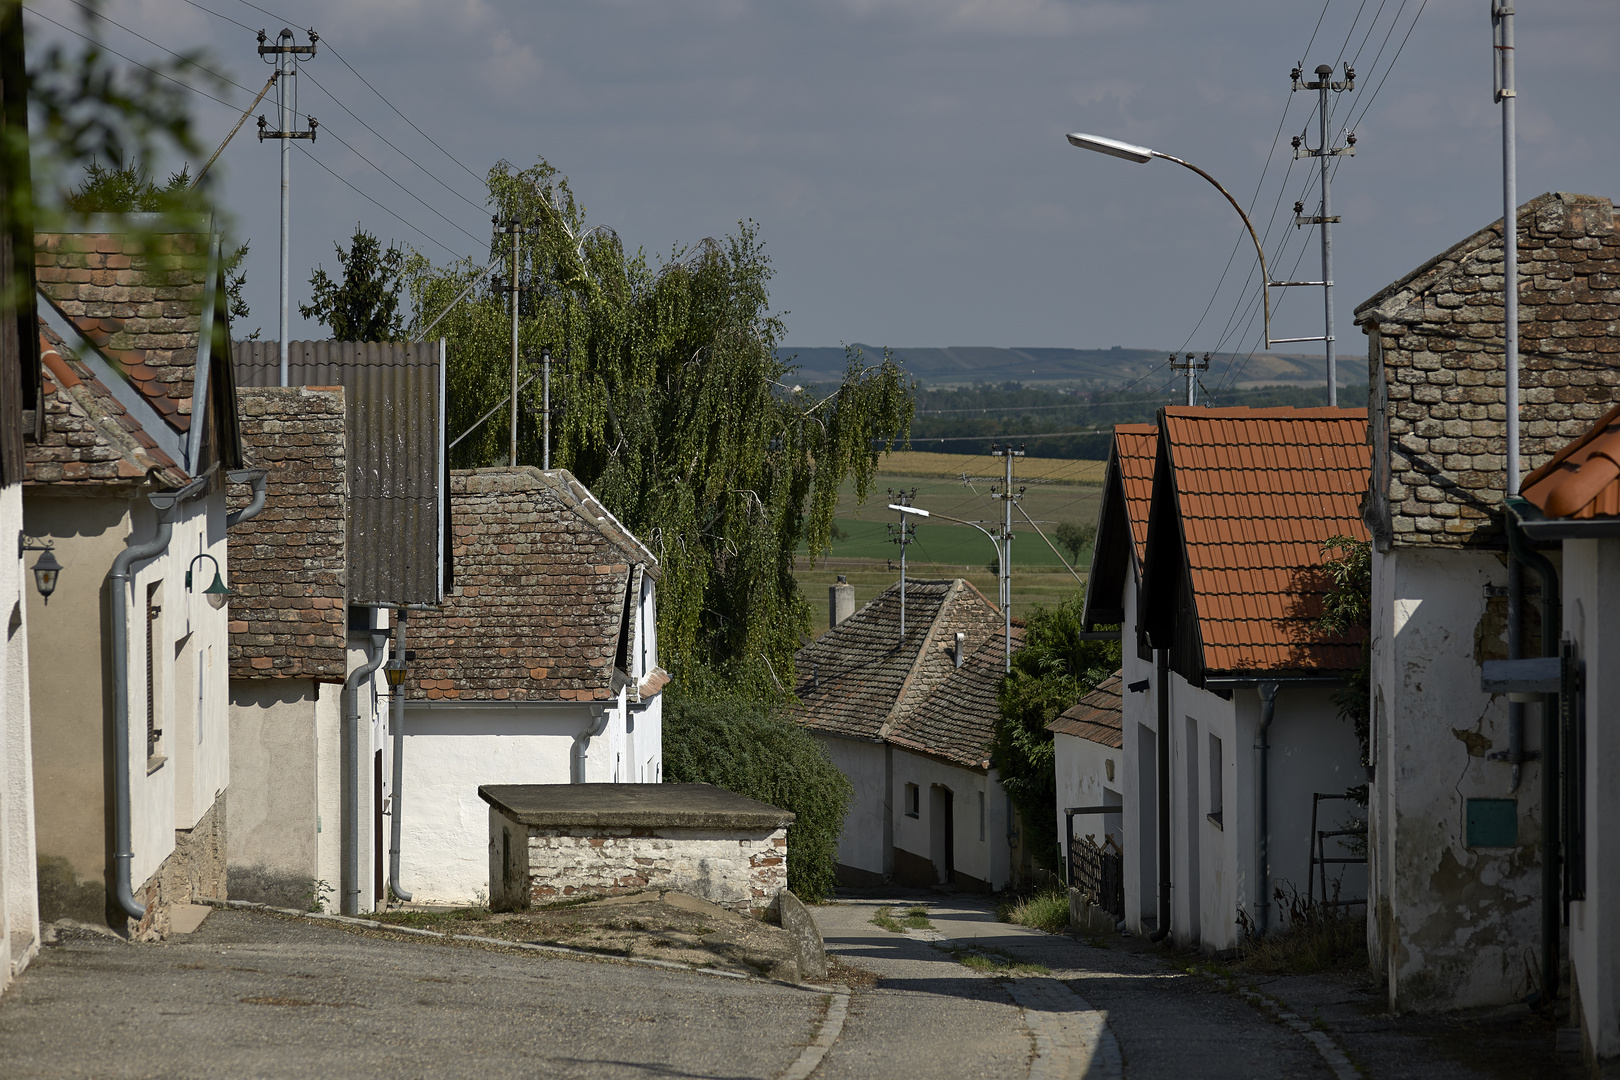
(865, 555)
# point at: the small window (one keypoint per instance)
(913, 801)
(1217, 768)
(154, 627)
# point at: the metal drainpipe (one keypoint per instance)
(396, 703)
(1162, 931)
(164, 502)
(1268, 713)
(256, 477)
(349, 900)
(582, 741)
(1552, 619)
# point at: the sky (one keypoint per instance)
(905, 159)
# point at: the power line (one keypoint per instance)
(415, 228)
(219, 15)
(129, 60)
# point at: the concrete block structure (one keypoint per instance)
(550, 842)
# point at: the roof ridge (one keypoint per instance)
(892, 720)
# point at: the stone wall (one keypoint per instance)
(531, 865)
(194, 872)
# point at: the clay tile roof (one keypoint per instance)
(543, 574)
(1258, 493)
(90, 438)
(1136, 446)
(143, 317)
(1583, 479)
(287, 564)
(1098, 717)
(860, 679)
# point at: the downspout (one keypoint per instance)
(1552, 620)
(349, 901)
(256, 477)
(582, 741)
(1268, 713)
(1162, 931)
(165, 503)
(396, 815)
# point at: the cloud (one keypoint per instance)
(510, 67)
(1008, 18)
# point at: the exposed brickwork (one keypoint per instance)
(90, 439)
(138, 299)
(288, 617)
(1439, 378)
(542, 575)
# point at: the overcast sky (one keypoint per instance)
(905, 158)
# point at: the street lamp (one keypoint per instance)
(1142, 155)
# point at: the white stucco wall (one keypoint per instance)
(862, 846)
(978, 806)
(1089, 774)
(19, 895)
(271, 817)
(1591, 591)
(1452, 925)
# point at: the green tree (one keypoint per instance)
(674, 413)
(1347, 612)
(1055, 668)
(364, 306)
(747, 746)
(1075, 538)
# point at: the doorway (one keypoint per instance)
(942, 832)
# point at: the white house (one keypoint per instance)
(1088, 762)
(1574, 500)
(1464, 841)
(540, 668)
(909, 718)
(1230, 732)
(128, 660)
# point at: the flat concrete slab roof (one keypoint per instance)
(632, 806)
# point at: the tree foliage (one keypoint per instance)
(673, 411)
(750, 748)
(1075, 538)
(364, 306)
(1055, 668)
(1347, 611)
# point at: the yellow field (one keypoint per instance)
(1051, 470)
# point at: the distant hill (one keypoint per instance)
(966, 365)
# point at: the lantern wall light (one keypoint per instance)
(46, 568)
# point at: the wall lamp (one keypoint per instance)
(46, 568)
(394, 672)
(218, 593)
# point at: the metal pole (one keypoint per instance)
(1324, 77)
(903, 546)
(1006, 559)
(289, 68)
(1506, 93)
(512, 458)
(545, 383)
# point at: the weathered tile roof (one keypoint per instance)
(543, 576)
(1097, 717)
(1439, 377)
(90, 439)
(861, 679)
(289, 614)
(1583, 479)
(140, 300)
(398, 517)
(1122, 522)
(1250, 497)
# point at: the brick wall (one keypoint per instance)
(1438, 408)
(289, 614)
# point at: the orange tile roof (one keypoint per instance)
(1259, 491)
(1137, 447)
(1583, 479)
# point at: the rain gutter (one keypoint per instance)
(349, 900)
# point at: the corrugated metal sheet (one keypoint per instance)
(398, 526)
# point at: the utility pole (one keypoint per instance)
(286, 56)
(904, 534)
(1507, 95)
(1191, 369)
(515, 229)
(1007, 497)
(1325, 150)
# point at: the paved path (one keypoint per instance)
(251, 995)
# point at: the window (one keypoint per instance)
(1217, 767)
(913, 801)
(154, 629)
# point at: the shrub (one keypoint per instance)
(750, 748)
(1048, 910)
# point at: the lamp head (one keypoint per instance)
(46, 570)
(394, 671)
(218, 593)
(1111, 147)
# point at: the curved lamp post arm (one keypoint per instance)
(1265, 276)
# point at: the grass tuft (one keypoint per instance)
(1047, 911)
(988, 961)
(1314, 937)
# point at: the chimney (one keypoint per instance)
(840, 601)
(961, 646)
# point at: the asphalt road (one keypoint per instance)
(253, 995)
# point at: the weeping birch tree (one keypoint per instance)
(674, 410)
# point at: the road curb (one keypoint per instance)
(832, 1025)
(1329, 1050)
